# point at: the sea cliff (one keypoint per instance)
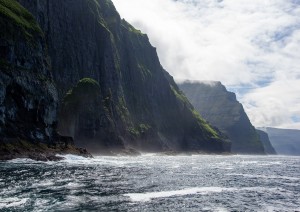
(28, 95)
(101, 83)
(221, 108)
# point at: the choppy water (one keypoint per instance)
(152, 183)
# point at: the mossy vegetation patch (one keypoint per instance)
(15, 17)
(88, 83)
(139, 129)
(131, 29)
(133, 131)
(85, 87)
(145, 72)
(107, 20)
(179, 95)
(143, 128)
(204, 124)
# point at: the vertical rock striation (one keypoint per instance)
(137, 104)
(221, 109)
(28, 96)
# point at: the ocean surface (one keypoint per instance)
(152, 183)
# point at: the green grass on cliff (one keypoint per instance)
(180, 96)
(139, 130)
(19, 17)
(130, 28)
(145, 72)
(88, 82)
(204, 124)
(86, 87)
(134, 30)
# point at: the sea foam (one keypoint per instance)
(144, 197)
(12, 202)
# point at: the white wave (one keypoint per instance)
(22, 160)
(45, 183)
(249, 162)
(145, 160)
(219, 209)
(72, 158)
(74, 185)
(150, 154)
(228, 168)
(118, 161)
(41, 204)
(12, 202)
(274, 163)
(144, 197)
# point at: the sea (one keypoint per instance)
(152, 182)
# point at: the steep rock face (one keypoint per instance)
(221, 109)
(86, 117)
(284, 141)
(28, 97)
(264, 137)
(138, 104)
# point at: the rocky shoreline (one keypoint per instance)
(39, 151)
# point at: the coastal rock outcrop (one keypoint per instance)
(138, 105)
(221, 109)
(28, 96)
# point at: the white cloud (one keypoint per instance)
(274, 105)
(251, 44)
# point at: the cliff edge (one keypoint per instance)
(136, 103)
(221, 109)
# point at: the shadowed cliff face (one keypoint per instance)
(86, 116)
(28, 96)
(221, 109)
(266, 142)
(138, 104)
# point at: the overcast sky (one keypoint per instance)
(251, 46)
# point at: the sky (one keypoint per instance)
(251, 46)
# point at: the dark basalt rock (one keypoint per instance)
(137, 105)
(16, 148)
(221, 109)
(28, 96)
(86, 116)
